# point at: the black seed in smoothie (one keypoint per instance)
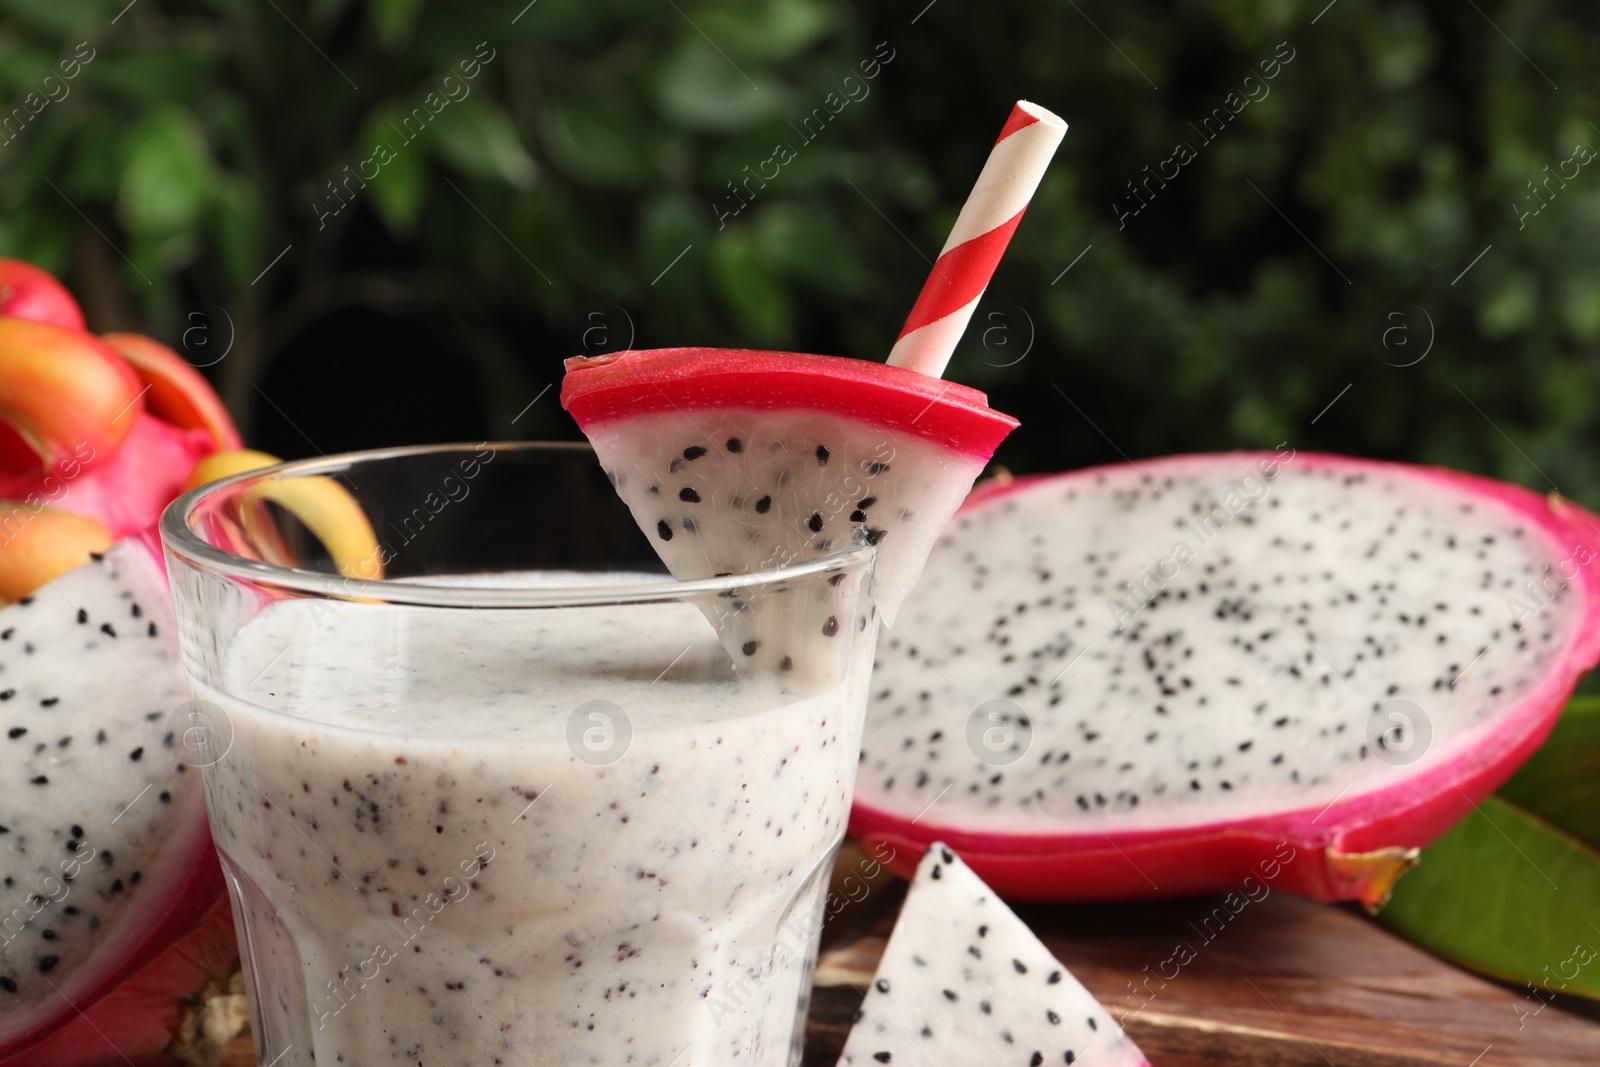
(694, 452)
(663, 531)
(822, 455)
(688, 495)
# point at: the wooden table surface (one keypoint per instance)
(1284, 983)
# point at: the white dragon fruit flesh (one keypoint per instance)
(1151, 679)
(111, 907)
(964, 982)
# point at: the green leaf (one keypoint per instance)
(238, 210)
(401, 184)
(478, 138)
(776, 29)
(701, 88)
(751, 289)
(597, 145)
(1560, 783)
(167, 177)
(811, 245)
(1509, 895)
(394, 19)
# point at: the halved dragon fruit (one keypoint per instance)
(964, 981)
(735, 461)
(1158, 678)
(110, 894)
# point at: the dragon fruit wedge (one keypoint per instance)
(1161, 678)
(735, 461)
(964, 981)
(113, 923)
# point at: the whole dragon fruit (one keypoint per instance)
(1152, 679)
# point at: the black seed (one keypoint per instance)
(785, 664)
(881, 1057)
(16, 732)
(41, 780)
(858, 516)
(874, 536)
(688, 526)
(937, 872)
(663, 531)
(1092, 1024)
(866, 502)
(822, 455)
(1053, 1017)
(949, 857)
(875, 469)
(1055, 976)
(735, 445)
(1021, 968)
(694, 452)
(763, 505)
(882, 984)
(107, 629)
(949, 994)
(137, 754)
(7, 694)
(47, 963)
(749, 647)
(49, 702)
(983, 931)
(1036, 1059)
(152, 630)
(7, 984)
(83, 616)
(688, 495)
(830, 627)
(815, 522)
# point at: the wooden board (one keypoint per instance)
(1282, 983)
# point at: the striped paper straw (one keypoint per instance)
(981, 233)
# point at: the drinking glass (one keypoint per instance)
(524, 799)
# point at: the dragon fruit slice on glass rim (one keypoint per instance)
(964, 981)
(735, 461)
(1155, 679)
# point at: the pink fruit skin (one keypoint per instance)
(1215, 858)
(602, 389)
(26, 292)
(135, 1006)
(127, 489)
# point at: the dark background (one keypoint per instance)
(1351, 239)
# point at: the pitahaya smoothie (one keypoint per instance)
(440, 855)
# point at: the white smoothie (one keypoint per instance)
(436, 865)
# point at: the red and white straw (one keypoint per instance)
(979, 239)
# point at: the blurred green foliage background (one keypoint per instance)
(183, 182)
